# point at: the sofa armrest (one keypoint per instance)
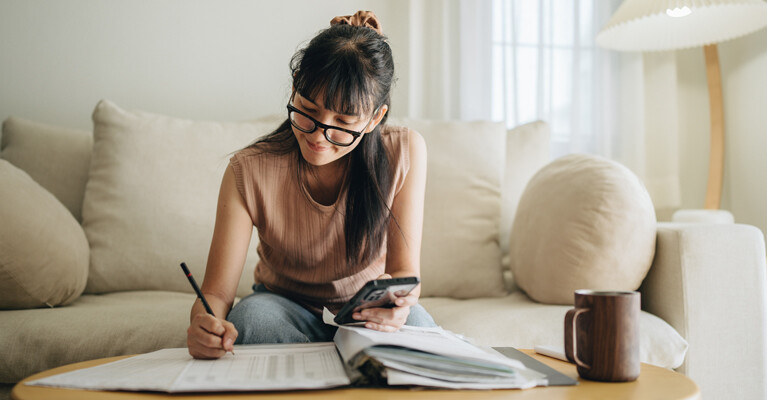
(709, 281)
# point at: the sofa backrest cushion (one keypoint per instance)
(43, 250)
(150, 201)
(528, 149)
(56, 158)
(584, 222)
(460, 251)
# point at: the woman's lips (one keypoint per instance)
(315, 147)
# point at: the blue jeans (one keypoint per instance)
(266, 317)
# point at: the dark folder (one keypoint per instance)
(555, 377)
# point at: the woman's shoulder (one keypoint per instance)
(406, 147)
(397, 130)
(400, 136)
(404, 138)
(259, 151)
(258, 159)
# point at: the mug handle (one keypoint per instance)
(571, 340)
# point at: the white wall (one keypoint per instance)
(744, 84)
(223, 60)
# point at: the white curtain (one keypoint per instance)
(548, 67)
(447, 72)
(522, 60)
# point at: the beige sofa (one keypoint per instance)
(138, 194)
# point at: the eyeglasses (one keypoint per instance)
(338, 136)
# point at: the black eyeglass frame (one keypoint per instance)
(318, 124)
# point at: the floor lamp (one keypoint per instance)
(645, 25)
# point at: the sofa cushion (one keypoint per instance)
(584, 222)
(43, 250)
(517, 321)
(93, 327)
(151, 197)
(460, 252)
(56, 158)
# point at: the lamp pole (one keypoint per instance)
(716, 152)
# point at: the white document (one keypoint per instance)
(151, 371)
(256, 367)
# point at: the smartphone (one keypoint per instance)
(379, 293)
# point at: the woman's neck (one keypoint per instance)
(325, 182)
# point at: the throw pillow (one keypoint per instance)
(583, 222)
(56, 158)
(151, 197)
(460, 251)
(43, 250)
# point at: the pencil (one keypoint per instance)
(198, 291)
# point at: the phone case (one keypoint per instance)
(376, 293)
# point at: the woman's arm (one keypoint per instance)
(403, 251)
(208, 336)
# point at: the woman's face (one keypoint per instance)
(317, 150)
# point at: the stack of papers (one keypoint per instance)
(430, 357)
(409, 367)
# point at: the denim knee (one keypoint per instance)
(264, 317)
(420, 317)
(257, 324)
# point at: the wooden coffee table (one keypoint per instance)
(654, 382)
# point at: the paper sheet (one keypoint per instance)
(152, 371)
(259, 367)
(266, 368)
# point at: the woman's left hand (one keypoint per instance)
(388, 319)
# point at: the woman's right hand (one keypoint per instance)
(209, 337)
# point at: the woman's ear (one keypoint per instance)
(378, 117)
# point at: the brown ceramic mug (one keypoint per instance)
(602, 335)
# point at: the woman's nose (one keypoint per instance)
(313, 134)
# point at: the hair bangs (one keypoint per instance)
(341, 82)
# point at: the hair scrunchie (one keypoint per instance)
(360, 18)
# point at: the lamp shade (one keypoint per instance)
(654, 25)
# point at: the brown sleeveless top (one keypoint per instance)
(302, 249)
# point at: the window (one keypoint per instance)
(546, 65)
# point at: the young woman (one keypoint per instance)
(335, 194)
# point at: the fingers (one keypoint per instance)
(384, 319)
(382, 327)
(384, 276)
(406, 301)
(230, 335)
(211, 324)
(209, 337)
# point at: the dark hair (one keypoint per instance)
(352, 68)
